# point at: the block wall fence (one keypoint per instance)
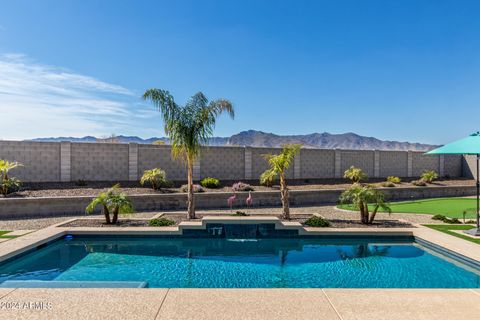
(68, 161)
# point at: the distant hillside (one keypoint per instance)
(262, 139)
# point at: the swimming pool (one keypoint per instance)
(244, 263)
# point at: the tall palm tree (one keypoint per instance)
(279, 163)
(188, 127)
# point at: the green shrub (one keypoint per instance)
(9, 185)
(210, 183)
(156, 177)
(470, 221)
(355, 174)
(316, 221)
(419, 183)
(239, 214)
(388, 184)
(161, 222)
(452, 221)
(439, 217)
(240, 186)
(429, 176)
(196, 188)
(394, 179)
(80, 183)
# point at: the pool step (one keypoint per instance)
(72, 284)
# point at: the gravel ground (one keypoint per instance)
(93, 188)
(329, 212)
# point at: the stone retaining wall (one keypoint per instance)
(57, 206)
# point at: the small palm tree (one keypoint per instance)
(112, 202)
(188, 127)
(279, 163)
(6, 166)
(355, 174)
(361, 196)
(155, 177)
(8, 184)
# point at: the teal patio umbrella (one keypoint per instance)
(470, 146)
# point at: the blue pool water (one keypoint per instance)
(260, 263)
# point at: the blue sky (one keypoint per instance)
(399, 70)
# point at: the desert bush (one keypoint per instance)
(316, 221)
(196, 188)
(429, 176)
(161, 222)
(419, 183)
(241, 186)
(355, 174)
(394, 179)
(211, 183)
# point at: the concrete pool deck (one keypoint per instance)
(335, 304)
(156, 303)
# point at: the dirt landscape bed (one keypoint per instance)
(177, 218)
(132, 188)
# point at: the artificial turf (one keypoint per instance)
(447, 228)
(4, 234)
(449, 207)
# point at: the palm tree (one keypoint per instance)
(361, 196)
(8, 184)
(156, 177)
(6, 166)
(279, 164)
(112, 202)
(188, 127)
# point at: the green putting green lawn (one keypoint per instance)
(449, 207)
(449, 229)
(4, 234)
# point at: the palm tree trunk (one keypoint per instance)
(190, 199)
(284, 195)
(362, 212)
(106, 214)
(374, 213)
(115, 215)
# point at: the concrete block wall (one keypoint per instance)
(469, 166)
(41, 160)
(317, 164)
(393, 163)
(99, 161)
(359, 159)
(152, 156)
(65, 161)
(420, 163)
(224, 163)
(453, 165)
